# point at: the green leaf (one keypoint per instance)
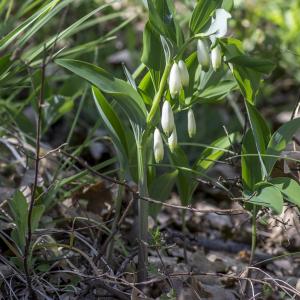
(210, 155)
(202, 14)
(214, 93)
(19, 208)
(33, 23)
(259, 126)
(160, 190)
(112, 123)
(151, 40)
(5, 63)
(268, 196)
(251, 167)
(128, 98)
(248, 81)
(211, 86)
(162, 19)
(260, 65)
(279, 141)
(146, 89)
(289, 188)
(37, 213)
(33, 52)
(246, 70)
(228, 5)
(30, 31)
(261, 133)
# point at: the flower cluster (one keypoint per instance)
(179, 78)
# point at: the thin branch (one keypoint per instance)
(137, 196)
(35, 183)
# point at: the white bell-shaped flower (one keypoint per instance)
(175, 80)
(184, 73)
(167, 118)
(216, 57)
(172, 140)
(158, 146)
(191, 123)
(203, 55)
(219, 24)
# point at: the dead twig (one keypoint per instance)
(137, 196)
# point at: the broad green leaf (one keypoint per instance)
(162, 19)
(259, 127)
(246, 70)
(260, 65)
(210, 86)
(128, 98)
(151, 40)
(233, 50)
(214, 93)
(251, 167)
(210, 155)
(279, 141)
(146, 89)
(160, 190)
(248, 81)
(202, 14)
(261, 133)
(289, 188)
(112, 123)
(268, 196)
(19, 208)
(37, 213)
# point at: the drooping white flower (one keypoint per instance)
(158, 146)
(216, 57)
(174, 80)
(172, 140)
(219, 24)
(184, 73)
(167, 118)
(191, 123)
(203, 55)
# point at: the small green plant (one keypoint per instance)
(172, 80)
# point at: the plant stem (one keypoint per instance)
(246, 289)
(142, 214)
(253, 235)
(159, 93)
(27, 255)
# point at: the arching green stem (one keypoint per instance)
(159, 93)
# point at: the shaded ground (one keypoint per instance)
(208, 259)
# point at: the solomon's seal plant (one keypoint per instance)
(179, 73)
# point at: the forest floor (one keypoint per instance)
(208, 258)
